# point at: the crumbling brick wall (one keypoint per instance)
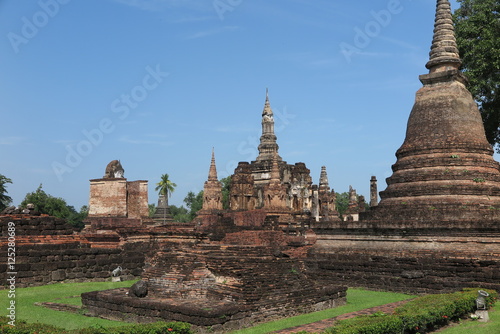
(47, 251)
(423, 261)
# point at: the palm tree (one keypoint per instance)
(165, 187)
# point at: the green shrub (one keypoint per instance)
(154, 328)
(386, 324)
(22, 327)
(417, 316)
(432, 311)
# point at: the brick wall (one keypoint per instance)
(108, 197)
(137, 201)
(422, 262)
(47, 251)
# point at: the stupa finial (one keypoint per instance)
(444, 53)
(212, 174)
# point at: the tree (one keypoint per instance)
(4, 199)
(477, 26)
(76, 218)
(54, 206)
(226, 191)
(194, 203)
(342, 203)
(180, 214)
(151, 209)
(165, 187)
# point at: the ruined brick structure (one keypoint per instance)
(252, 185)
(114, 196)
(212, 190)
(48, 250)
(162, 213)
(445, 170)
(243, 270)
(281, 248)
(373, 192)
(437, 226)
(242, 265)
(115, 202)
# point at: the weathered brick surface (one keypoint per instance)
(406, 260)
(219, 285)
(47, 251)
(118, 197)
(35, 225)
(54, 259)
(137, 199)
(108, 197)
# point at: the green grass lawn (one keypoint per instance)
(469, 326)
(59, 293)
(357, 299)
(69, 293)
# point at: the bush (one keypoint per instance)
(154, 328)
(371, 324)
(23, 328)
(417, 316)
(433, 311)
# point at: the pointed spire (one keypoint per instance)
(275, 171)
(267, 107)
(212, 190)
(212, 174)
(444, 51)
(268, 145)
(323, 179)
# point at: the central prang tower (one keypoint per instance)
(445, 175)
(268, 147)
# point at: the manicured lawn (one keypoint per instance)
(59, 293)
(68, 293)
(467, 327)
(357, 299)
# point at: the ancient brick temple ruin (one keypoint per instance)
(280, 188)
(437, 226)
(281, 249)
(238, 268)
(445, 175)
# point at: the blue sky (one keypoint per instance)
(158, 83)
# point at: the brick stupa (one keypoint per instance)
(445, 175)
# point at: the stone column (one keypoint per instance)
(373, 192)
